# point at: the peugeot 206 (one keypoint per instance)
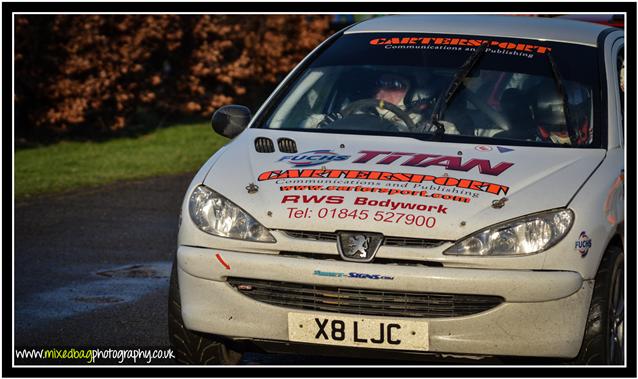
(418, 186)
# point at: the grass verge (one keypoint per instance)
(69, 165)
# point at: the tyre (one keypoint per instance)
(193, 347)
(603, 342)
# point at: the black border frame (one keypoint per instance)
(342, 7)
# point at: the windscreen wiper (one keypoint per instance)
(444, 99)
(563, 95)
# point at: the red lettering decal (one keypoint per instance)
(356, 174)
(426, 178)
(334, 173)
(392, 157)
(313, 199)
(418, 158)
(286, 174)
(464, 183)
(386, 176)
(374, 175)
(402, 177)
(476, 185)
(360, 201)
(497, 188)
(367, 155)
(451, 163)
(485, 167)
(451, 182)
(268, 175)
(507, 45)
(290, 198)
(334, 200)
(440, 180)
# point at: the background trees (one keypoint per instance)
(100, 75)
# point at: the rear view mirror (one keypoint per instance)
(230, 120)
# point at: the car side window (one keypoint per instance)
(620, 68)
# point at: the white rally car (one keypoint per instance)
(418, 185)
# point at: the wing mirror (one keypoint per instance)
(230, 120)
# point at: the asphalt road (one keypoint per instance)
(92, 267)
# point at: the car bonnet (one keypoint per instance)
(448, 189)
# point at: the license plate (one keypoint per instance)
(358, 331)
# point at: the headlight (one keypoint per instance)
(214, 214)
(523, 236)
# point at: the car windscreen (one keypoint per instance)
(392, 83)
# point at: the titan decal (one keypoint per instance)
(426, 160)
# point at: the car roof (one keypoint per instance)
(615, 20)
(540, 28)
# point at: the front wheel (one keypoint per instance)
(603, 342)
(193, 347)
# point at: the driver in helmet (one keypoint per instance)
(393, 88)
(393, 99)
(390, 91)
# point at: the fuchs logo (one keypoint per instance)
(313, 158)
(583, 244)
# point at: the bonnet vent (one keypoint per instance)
(264, 145)
(286, 145)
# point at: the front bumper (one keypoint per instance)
(544, 312)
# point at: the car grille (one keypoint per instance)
(387, 241)
(363, 301)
